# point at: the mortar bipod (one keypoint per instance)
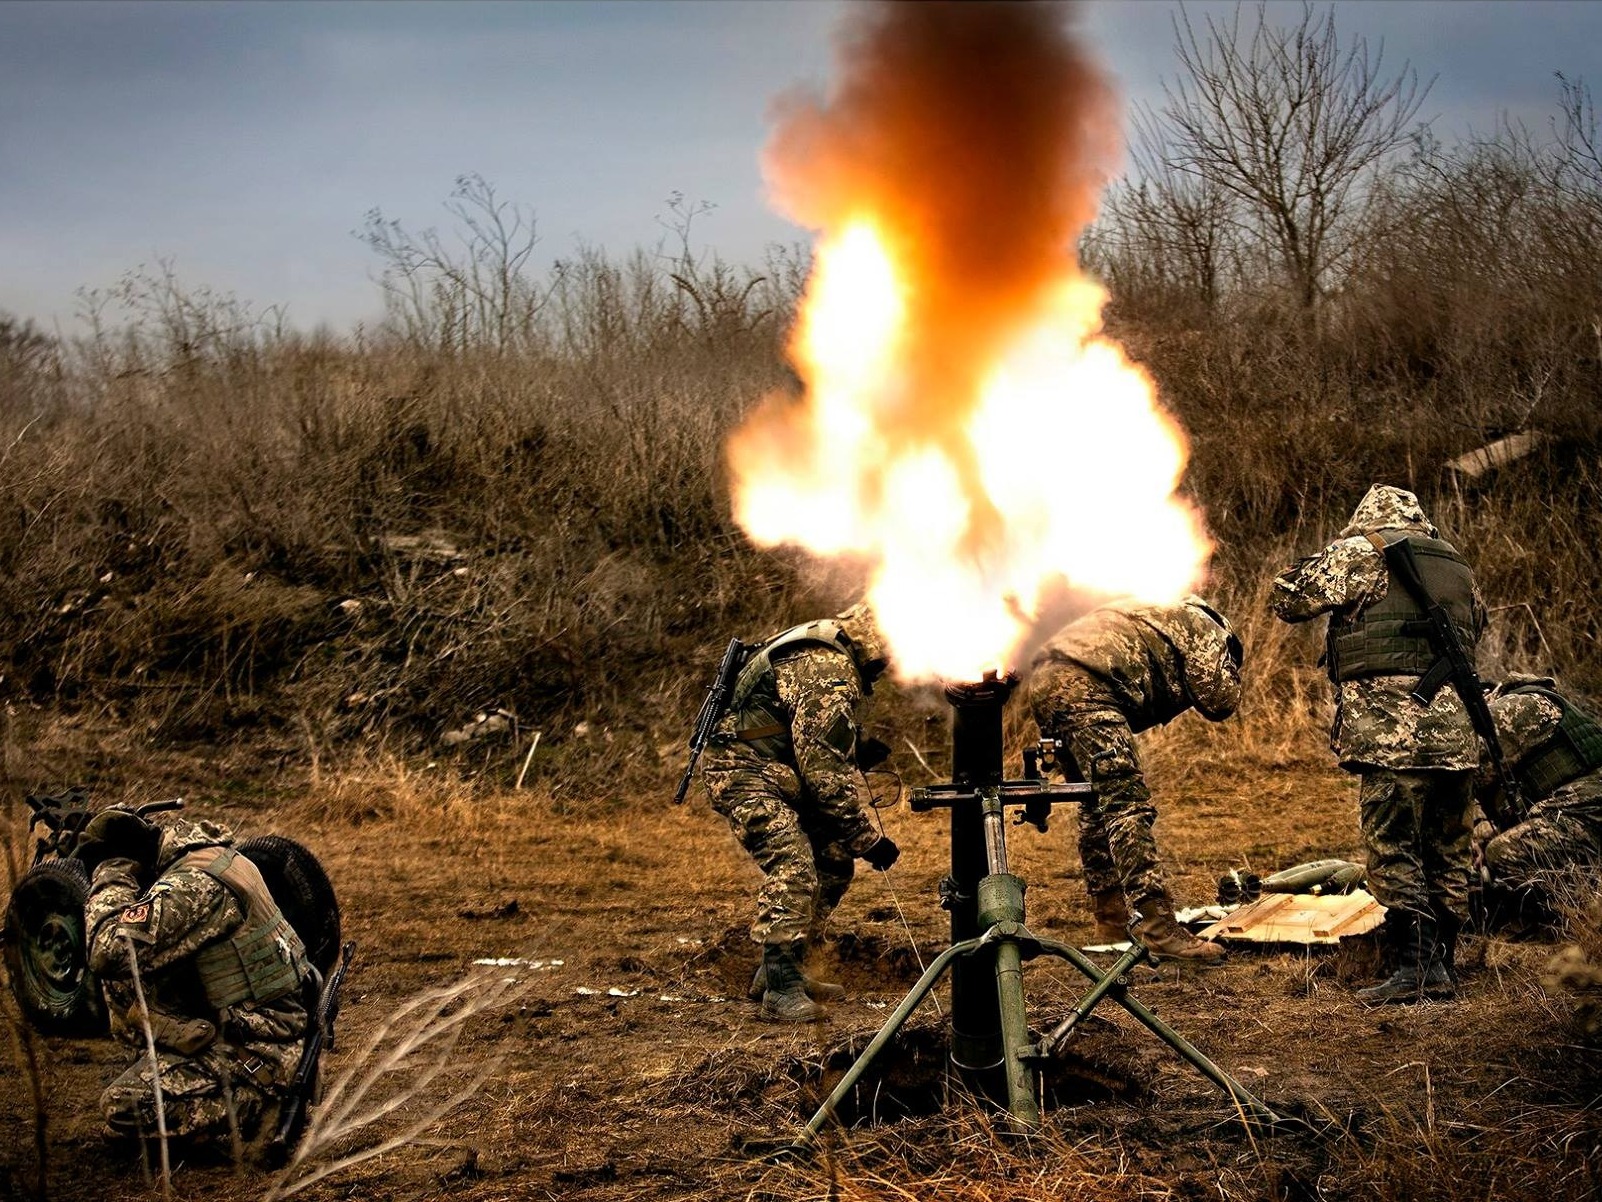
(999, 902)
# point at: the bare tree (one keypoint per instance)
(476, 293)
(1290, 122)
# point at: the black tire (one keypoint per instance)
(301, 888)
(45, 951)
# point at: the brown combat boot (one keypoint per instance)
(785, 999)
(1112, 916)
(817, 989)
(1161, 933)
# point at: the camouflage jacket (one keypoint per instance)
(181, 912)
(1377, 724)
(1150, 663)
(822, 691)
(1525, 721)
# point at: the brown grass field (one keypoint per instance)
(655, 1093)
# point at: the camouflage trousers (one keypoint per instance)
(1116, 846)
(198, 1092)
(1553, 853)
(1417, 827)
(805, 857)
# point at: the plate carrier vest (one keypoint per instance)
(1574, 749)
(1390, 637)
(760, 717)
(264, 959)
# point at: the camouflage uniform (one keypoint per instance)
(243, 1056)
(1415, 763)
(1552, 841)
(1102, 679)
(796, 798)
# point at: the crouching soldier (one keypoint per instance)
(1540, 851)
(1119, 670)
(782, 767)
(221, 970)
(1414, 758)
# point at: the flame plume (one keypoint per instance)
(965, 429)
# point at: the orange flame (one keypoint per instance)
(966, 429)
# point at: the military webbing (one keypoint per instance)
(263, 958)
(1573, 750)
(760, 717)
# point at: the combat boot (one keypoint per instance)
(1440, 973)
(1412, 940)
(785, 998)
(817, 989)
(1112, 916)
(1159, 931)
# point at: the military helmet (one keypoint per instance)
(867, 641)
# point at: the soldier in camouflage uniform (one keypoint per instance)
(1118, 670)
(1415, 762)
(1541, 849)
(222, 973)
(782, 767)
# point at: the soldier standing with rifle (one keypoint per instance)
(222, 972)
(1404, 617)
(783, 764)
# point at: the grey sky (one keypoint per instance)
(245, 141)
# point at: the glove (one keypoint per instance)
(882, 854)
(871, 753)
(117, 835)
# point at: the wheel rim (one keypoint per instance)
(53, 961)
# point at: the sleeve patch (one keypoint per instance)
(136, 915)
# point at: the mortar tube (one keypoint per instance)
(976, 762)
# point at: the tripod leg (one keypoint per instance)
(1252, 1108)
(1022, 1103)
(892, 1024)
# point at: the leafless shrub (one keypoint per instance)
(404, 1080)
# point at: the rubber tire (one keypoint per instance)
(302, 890)
(46, 954)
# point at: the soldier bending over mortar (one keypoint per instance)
(782, 767)
(1121, 669)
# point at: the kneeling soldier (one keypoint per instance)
(1541, 850)
(221, 969)
(782, 767)
(1119, 670)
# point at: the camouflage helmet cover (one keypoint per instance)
(1386, 507)
(867, 640)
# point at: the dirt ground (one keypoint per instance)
(627, 1063)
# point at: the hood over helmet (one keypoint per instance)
(866, 639)
(1385, 507)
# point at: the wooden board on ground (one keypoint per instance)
(1299, 918)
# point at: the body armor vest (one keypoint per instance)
(760, 717)
(263, 959)
(1390, 637)
(1573, 751)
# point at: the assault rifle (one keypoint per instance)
(319, 1035)
(1454, 664)
(717, 700)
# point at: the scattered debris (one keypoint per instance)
(507, 909)
(484, 724)
(518, 962)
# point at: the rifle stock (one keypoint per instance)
(717, 700)
(319, 1036)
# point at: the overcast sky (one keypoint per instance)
(245, 141)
